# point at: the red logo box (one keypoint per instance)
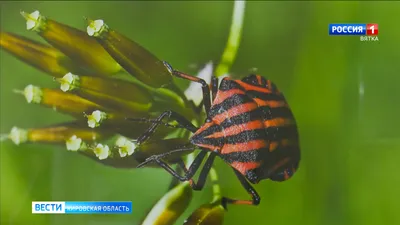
(372, 29)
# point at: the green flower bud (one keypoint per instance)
(104, 92)
(114, 87)
(172, 205)
(74, 43)
(135, 59)
(56, 134)
(207, 214)
(40, 56)
(59, 101)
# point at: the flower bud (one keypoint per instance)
(59, 101)
(75, 143)
(57, 134)
(104, 95)
(135, 59)
(207, 214)
(172, 205)
(74, 43)
(40, 56)
(119, 124)
(125, 146)
(101, 151)
(124, 153)
(113, 87)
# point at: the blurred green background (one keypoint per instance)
(344, 94)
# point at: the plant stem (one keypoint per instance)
(216, 187)
(232, 46)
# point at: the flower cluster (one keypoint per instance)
(105, 78)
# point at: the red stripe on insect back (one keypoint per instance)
(277, 122)
(223, 95)
(207, 146)
(250, 87)
(236, 129)
(270, 103)
(243, 167)
(234, 111)
(259, 80)
(243, 147)
(204, 127)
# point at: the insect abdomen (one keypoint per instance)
(282, 160)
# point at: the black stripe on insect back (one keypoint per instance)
(277, 112)
(272, 133)
(246, 117)
(227, 85)
(263, 112)
(281, 153)
(236, 120)
(265, 96)
(246, 136)
(255, 155)
(210, 130)
(232, 101)
(279, 133)
(253, 80)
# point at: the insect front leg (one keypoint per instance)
(189, 173)
(204, 85)
(254, 195)
(203, 174)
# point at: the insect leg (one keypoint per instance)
(172, 115)
(214, 87)
(204, 85)
(255, 197)
(203, 174)
(188, 173)
(146, 120)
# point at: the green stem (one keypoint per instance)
(216, 188)
(227, 59)
(235, 34)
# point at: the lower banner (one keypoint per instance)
(69, 207)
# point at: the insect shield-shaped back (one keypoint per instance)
(252, 127)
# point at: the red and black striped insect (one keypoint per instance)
(249, 125)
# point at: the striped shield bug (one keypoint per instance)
(249, 125)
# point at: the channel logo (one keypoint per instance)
(370, 29)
